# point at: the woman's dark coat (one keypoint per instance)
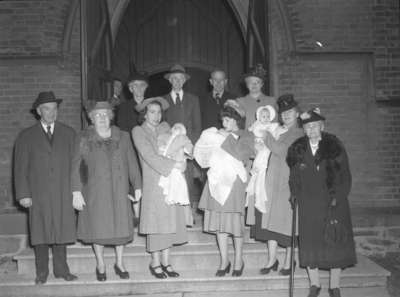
(315, 181)
(103, 170)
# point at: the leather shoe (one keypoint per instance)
(157, 274)
(238, 272)
(101, 277)
(334, 292)
(120, 273)
(41, 279)
(67, 277)
(170, 272)
(314, 291)
(284, 271)
(222, 272)
(267, 270)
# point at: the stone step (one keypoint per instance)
(197, 282)
(197, 256)
(298, 292)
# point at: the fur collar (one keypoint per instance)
(329, 149)
(90, 139)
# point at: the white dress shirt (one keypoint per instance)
(173, 95)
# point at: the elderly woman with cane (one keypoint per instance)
(320, 181)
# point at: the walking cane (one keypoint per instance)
(294, 221)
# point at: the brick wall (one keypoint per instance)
(355, 67)
(31, 62)
(353, 25)
(358, 63)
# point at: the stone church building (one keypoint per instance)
(340, 55)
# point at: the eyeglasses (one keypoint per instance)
(101, 114)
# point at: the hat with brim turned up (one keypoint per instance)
(141, 106)
(92, 105)
(177, 69)
(313, 115)
(45, 97)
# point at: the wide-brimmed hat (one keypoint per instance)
(92, 105)
(286, 102)
(270, 108)
(45, 97)
(256, 71)
(177, 69)
(313, 115)
(142, 76)
(141, 106)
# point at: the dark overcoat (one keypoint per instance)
(315, 180)
(187, 113)
(102, 171)
(42, 172)
(210, 110)
(126, 116)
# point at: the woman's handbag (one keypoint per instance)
(334, 232)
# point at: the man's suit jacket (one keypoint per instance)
(210, 110)
(187, 113)
(126, 116)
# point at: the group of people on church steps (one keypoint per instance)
(262, 158)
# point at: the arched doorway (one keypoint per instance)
(201, 35)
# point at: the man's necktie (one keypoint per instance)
(48, 132)
(178, 100)
(218, 98)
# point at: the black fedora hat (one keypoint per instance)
(177, 69)
(45, 97)
(286, 102)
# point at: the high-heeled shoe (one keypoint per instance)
(101, 277)
(238, 272)
(222, 272)
(120, 273)
(170, 272)
(285, 271)
(157, 274)
(267, 270)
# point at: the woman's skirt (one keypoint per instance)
(161, 241)
(224, 222)
(261, 234)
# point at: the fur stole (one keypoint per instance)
(329, 152)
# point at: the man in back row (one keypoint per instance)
(212, 104)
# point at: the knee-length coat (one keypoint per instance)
(278, 217)
(156, 217)
(42, 170)
(102, 171)
(315, 180)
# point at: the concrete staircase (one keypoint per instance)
(197, 262)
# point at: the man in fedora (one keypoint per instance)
(126, 113)
(42, 163)
(127, 117)
(183, 108)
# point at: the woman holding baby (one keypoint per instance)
(223, 197)
(274, 223)
(163, 223)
